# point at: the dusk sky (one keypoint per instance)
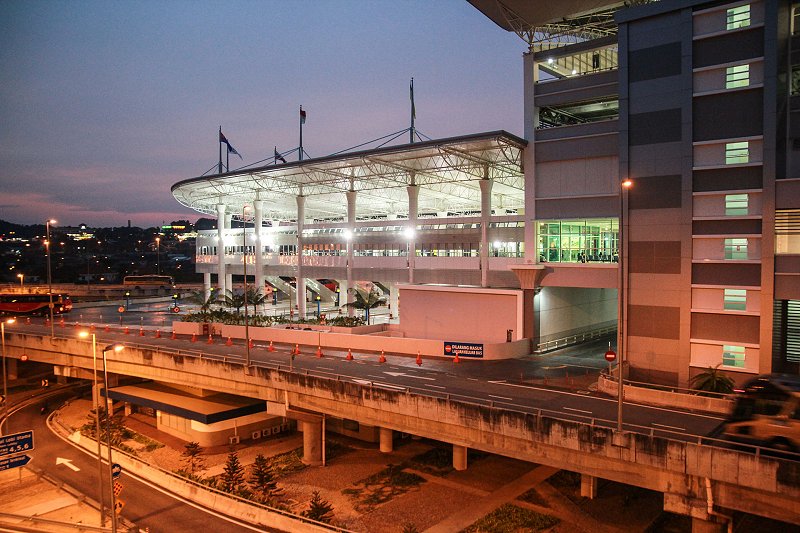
(105, 105)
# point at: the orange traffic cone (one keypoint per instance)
(252, 344)
(349, 355)
(419, 359)
(107, 328)
(271, 347)
(62, 322)
(210, 339)
(456, 359)
(194, 337)
(28, 320)
(174, 335)
(158, 334)
(127, 330)
(382, 358)
(296, 350)
(141, 332)
(91, 328)
(319, 351)
(229, 342)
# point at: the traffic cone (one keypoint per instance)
(91, 328)
(174, 335)
(319, 351)
(210, 339)
(296, 350)
(127, 330)
(107, 328)
(62, 322)
(194, 337)
(456, 360)
(141, 332)
(158, 334)
(382, 358)
(349, 355)
(271, 347)
(28, 320)
(252, 344)
(229, 342)
(419, 359)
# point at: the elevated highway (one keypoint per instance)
(697, 477)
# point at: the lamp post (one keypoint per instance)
(158, 255)
(49, 276)
(318, 305)
(244, 267)
(112, 512)
(21, 281)
(337, 296)
(5, 376)
(96, 405)
(621, 346)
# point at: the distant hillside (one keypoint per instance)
(20, 230)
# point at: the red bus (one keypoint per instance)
(33, 304)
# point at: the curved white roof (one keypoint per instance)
(447, 171)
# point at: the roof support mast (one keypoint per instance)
(412, 130)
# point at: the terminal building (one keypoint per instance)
(655, 190)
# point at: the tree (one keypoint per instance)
(235, 300)
(117, 428)
(262, 478)
(365, 301)
(409, 527)
(191, 452)
(232, 479)
(712, 380)
(319, 509)
(199, 298)
(255, 297)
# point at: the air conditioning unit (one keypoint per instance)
(276, 429)
(285, 427)
(255, 435)
(234, 439)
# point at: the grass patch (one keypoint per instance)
(383, 486)
(512, 519)
(533, 496)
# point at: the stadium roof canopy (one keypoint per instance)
(448, 172)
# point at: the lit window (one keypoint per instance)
(733, 356)
(737, 76)
(735, 249)
(738, 17)
(737, 153)
(736, 204)
(735, 299)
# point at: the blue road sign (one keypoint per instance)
(16, 443)
(14, 462)
(116, 470)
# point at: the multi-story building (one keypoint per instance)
(657, 187)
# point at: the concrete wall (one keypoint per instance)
(565, 311)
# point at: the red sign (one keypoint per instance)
(611, 355)
(121, 309)
(176, 309)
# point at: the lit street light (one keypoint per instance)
(158, 255)
(5, 376)
(244, 267)
(49, 276)
(21, 281)
(112, 513)
(96, 406)
(621, 346)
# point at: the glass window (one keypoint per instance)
(738, 17)
(735, 299)
(578, 241)
(733, 356)
(736, 249)
(737, 153)
(737, 76)
(736, 204)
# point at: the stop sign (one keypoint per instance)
(611, 355)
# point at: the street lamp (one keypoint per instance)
(158, 255)
(112, 513)
(337, 296)
(621, 346)
(244, 267)
(96, 406)
(5, 376)
(49, 276)
(21, 281)
(318, 304)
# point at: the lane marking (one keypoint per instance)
(325, 368)
(398, 374)
(577, 410)
(432, 385)
(500, 397)
(669, 427)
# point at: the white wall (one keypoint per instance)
(567, 310)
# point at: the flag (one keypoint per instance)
(231, 149)
(413, 109)
(302, 116)
(279, 157)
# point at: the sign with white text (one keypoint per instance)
(16, 443)
(463, 349)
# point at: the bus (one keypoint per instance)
(149, 280)
(767, 412)
(33, 304)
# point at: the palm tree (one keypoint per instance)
(235, 300)
(365, 301)
(712, 380)
(199, 298)
(255, 297)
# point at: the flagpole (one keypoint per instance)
(220, 150)
(413, 113)
(301, 133)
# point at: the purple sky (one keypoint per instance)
(105, 105)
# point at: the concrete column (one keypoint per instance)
(700, 525)
(128, 409)
(459, 457)
(394, 300)
(588, 486)
(301, 281)
(486, 212)
(221, 248)
(258, 221)
(312, 443)
(386, 438)
(228, 281)
(351, 226)
(11, 368)
(206, 285)
(530, 114)
(344, 297)
(413, 210)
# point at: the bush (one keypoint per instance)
(511, 519)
